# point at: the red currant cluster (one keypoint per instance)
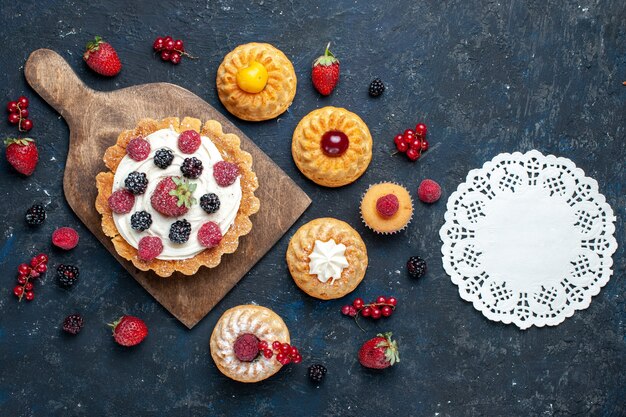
(26, 273)
(285, 353)
(412, 142)
(18, 114)
(171, 50)
(382, 307)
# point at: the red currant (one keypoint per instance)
(179, 46)
(408, 138)
(22, 102)
(14, 118)
(398, 139)
(268, 353)
(165, 55)
(276, 345)
(376, 313)
(409, 132)
(158, 44)
(421, 129)
(293, 351)
(175, 58)
(386, 311)
(167, 38)
(30, 295)
(12, 107)
(381, 300)
(34, 262)
(26, 124)
(413, 154)
(392, 301)
(24, 113)
(34, 274)
(348, 311)
(168, 45)
(366, 312)
(41, 268)
(424, 145)
(18, 290)
(42, 257)
(262, 345)
(416, 143)
(297, 359)
(28, 286)
(23, 269)
(285, 348)
(21, 280)
(358, 303)
(402, 147)
(286, 360)
(280, 357)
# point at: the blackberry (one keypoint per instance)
(163, 158)
(416, 266)
(179, 231)
(136, 182)
(316, 373)
(210, 203)
(140, 220)
(73, 324)
(376, 87)
(67, 275)
(35, 215)
(191, 167)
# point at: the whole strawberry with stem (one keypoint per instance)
(22, 154)
(173, 196)
(102, 58)
(129, 330)
(379, 352)
(325, 72)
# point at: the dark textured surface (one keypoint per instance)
(487, 77)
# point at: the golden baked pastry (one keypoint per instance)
(386, 208)
(277, 94)
(332, 146)
(243, 321)
(327, 258)
(226, 146)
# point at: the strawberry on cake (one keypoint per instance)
(178, 196)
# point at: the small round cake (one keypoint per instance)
(178, 196)
(235, 342)
(327, 258)
(256, 81)
(386, 208)
(332, 146)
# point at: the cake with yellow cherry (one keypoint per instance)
(256, 81)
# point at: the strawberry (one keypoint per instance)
(173, 196)
(129, 330)
(102, 58)
(22, 154)
(325, 73)
(379, 352)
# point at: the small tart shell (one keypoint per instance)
(278, 93)
(325, 170)
(259, 321)
(228, 145)
(379, 223)
(301, 245)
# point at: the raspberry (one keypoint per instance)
(138, 148)
(149, 247)
(136, 182)
(163, 158)
(210, 235)
(225, 173)
(246, 347)
(179, 231)
(387, 205)
(73, 324)
(141, 220)
(191, 167)
(429, 191)
(210, 203)
(35, 215)
(189, 141)
(65, 238)
(121, 201)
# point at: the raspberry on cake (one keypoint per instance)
(138, 148)
(189, 141)
(150, 247)
(210, 235)
(121, 201)
(225, 173)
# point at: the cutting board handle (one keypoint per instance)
(54, 80)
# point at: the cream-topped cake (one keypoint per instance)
(179, 194)
(229, 196)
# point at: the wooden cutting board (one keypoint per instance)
(96, 118)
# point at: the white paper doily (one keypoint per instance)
(528, 239)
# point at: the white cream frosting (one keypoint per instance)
(230, 197)
(327, 260)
